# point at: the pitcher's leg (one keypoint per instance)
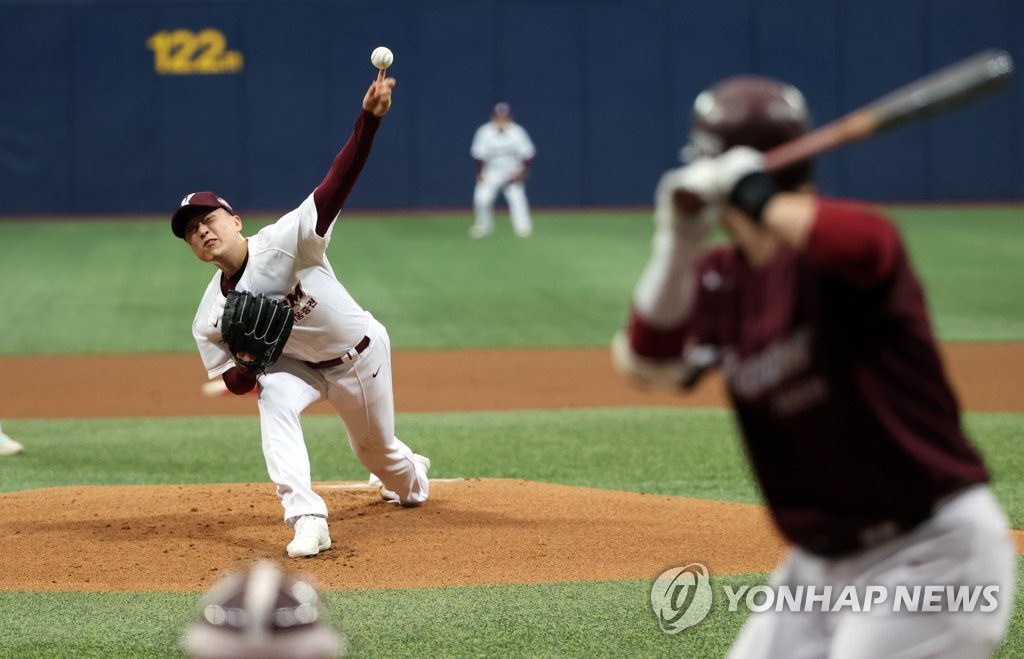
(283, 394)
(519, 209)
(364, 398)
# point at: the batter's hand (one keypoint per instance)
(378, 97)
(693, 224)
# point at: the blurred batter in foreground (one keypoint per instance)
(819, 325)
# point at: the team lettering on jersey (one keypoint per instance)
(762, 372)
(295, 301)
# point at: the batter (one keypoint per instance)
(336, 351)
(818, 322)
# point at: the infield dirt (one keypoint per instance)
(473, 531)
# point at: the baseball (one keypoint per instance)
(382, 57)
(214, 388)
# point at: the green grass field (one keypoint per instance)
(131, 287)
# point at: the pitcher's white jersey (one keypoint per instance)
(502, 151)
(287, 261)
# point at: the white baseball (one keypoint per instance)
(214, 388)
(382, 57)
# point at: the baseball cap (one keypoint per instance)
(190, 204)
(502, 109)
(264, 612)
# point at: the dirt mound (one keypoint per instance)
(489, 531)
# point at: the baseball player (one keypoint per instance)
(8, 446)
(264, 612)
(504, 153)
(818, 323)
(336, 349)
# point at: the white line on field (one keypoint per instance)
(362, 485)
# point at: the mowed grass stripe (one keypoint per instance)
(679, 452)
(585, 619)
(130, 286)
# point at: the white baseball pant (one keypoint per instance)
(966, 542)
(485, 194)
(361, 391)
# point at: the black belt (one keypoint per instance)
(347, 357)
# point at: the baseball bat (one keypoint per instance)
(948, 88)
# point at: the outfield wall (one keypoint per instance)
(123, 106)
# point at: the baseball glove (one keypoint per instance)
(255, 329)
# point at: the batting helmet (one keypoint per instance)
(752, 111)
(262, 613)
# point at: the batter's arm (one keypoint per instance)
(649, 350)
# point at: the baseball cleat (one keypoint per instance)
(478, 232)
(422, 463)
(8, 446)
(311, 537)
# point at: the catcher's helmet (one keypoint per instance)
(263, 612)
(752, 111)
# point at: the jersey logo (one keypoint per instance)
(751, 376)
(294, 298)
(295, 301)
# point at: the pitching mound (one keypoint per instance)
(490, 531)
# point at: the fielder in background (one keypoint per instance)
(819, 325)
(504, 153)
(8, 446)
(336, 349)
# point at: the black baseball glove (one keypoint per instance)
(255, 329)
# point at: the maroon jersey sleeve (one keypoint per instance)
(655, 342)
(332, 192)
(694, 339)
(852, 242)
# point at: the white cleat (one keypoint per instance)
(477, 231)
(311, 537)
(422, 463)
(8, 446)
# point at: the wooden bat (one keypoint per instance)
(951, 87)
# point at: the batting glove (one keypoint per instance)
(744, 182)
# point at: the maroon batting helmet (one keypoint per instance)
(753, 111)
